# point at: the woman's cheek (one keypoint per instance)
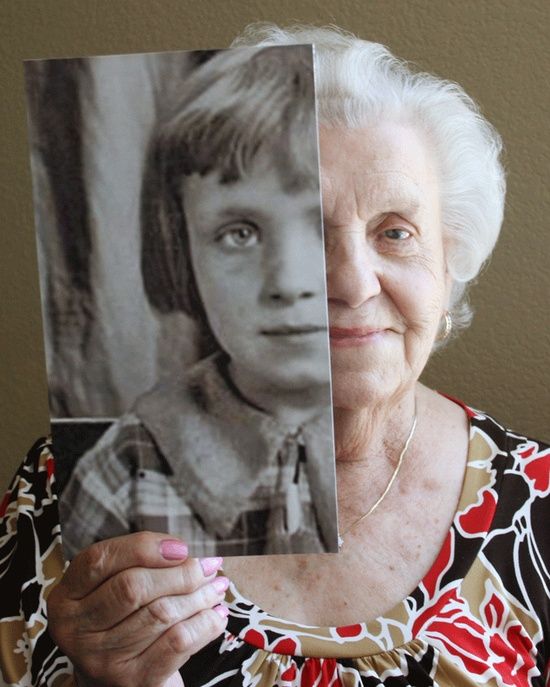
(422, 304)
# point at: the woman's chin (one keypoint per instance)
(356, 390)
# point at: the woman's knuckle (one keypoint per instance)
(128, 589)
(209, 626)
(141, 542)
(93, 560)
(141, 539)
(182, 638)
(188, 579)
(205, 596)
(214, 597)
(162, 611)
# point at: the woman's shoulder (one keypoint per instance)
(31, 563)
(501, 435)
(31, 489)
(505, 454)
(519, 463)
(516, 546)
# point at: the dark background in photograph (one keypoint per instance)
(90, 122)
(498, 51)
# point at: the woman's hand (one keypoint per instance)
(131, 610)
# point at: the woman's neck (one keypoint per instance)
(370, 443)
(375, 431)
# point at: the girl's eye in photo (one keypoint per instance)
(239, 236)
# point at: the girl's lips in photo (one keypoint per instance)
(303, 336)
(354, 336)
(293, 330)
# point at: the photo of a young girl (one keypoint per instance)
(235, 453)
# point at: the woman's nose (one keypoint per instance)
(352, 273)
(293, 270)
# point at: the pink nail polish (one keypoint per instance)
(210, 565)
(221, 610)
(173, 549)
(220, 584)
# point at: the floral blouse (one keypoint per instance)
(480, 616)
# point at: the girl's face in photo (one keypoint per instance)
(257, 256)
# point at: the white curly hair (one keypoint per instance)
(358, 81)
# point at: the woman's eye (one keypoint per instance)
(239, 236)
(397, 234)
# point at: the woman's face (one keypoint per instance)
(387, 282)
(257, 255)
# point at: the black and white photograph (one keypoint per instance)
(180, 244)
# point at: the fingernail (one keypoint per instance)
(220, 584)
(221, 610)
(173, 549)
(210, 565)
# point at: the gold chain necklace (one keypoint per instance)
(388, 486)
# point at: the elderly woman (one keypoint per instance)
(442, 577)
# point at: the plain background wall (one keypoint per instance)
(499, 51)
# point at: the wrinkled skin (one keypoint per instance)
(126, 614)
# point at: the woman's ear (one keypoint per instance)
(449, 283)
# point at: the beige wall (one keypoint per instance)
(498, 50)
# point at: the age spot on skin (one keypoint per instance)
(431, 485)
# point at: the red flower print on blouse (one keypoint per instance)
(255, 638)
(349, 630)
(493, 645)
(289, 674)
(477, 517)
(50, 468)
(282, 645)
(319, 672)
(535, 465)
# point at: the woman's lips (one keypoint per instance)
(341, 337)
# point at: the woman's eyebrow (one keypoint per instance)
(402, 206)
(401, 202)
